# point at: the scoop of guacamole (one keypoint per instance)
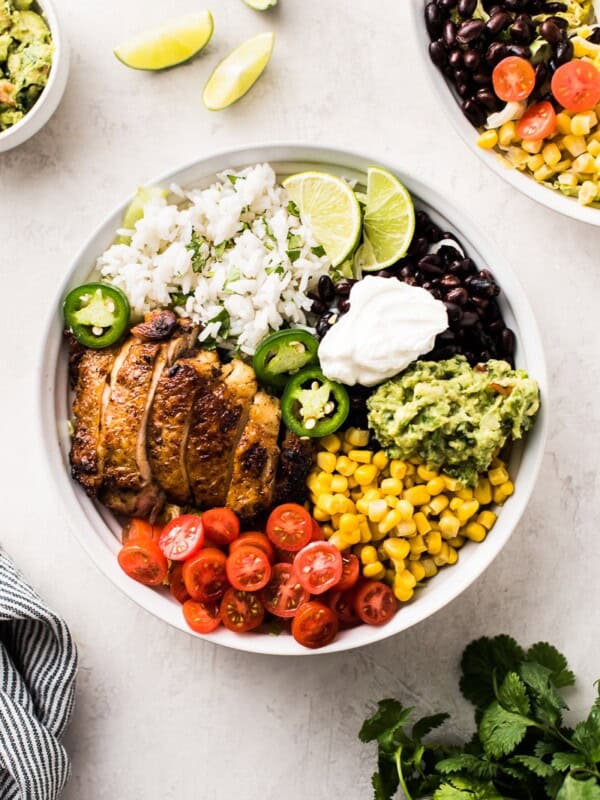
(26, 52)
(453, 416)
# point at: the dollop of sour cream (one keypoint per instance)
(389, 325)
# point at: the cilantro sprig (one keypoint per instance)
(521, 750)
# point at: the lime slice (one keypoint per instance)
(135, 210)
(261, 5)
(173, 43)
(389, 222)
(238, 72)
(331, 208)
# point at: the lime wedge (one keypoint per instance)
(261, 5)
(173, 43)
(238, 72)
(135, 210)
(330, 207)
(389, 222)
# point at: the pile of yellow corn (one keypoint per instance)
(400, 518)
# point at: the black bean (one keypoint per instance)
(462, 75)
(497, 23)
(433, 20)
(555, 8)
(482, 287)
(433, 233)
(438, 53)
(469, 31)
(550, 31)
(487, 98)
(495, 53)
(564, 51)
(508, 342)
(343, 287)
(521, 32)
(431, 265)
(407, 271)
(480, 303)
(464, 90)
(384, 273)
(471, 59)
(410, 280)
(466, 7)
(447, 337)
(594, 36)
(469, 318)
(318, 307)
(459, 296)
(450, 281)
(541, 75)
(421, 219)
(455, 312)
(447, 5)
(326, 289)
(344, 306)
(419, 246)
(520, 50)
(449, 33)
(325, 323)
(455, 59)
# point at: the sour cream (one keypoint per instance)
(389, 325)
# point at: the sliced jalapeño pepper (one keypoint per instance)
(96, 314)
(283, 354)
(312, 405)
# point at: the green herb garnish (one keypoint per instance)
(196, 245)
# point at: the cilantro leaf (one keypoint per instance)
(199, 250)
(573, 789)
(461, 787)
(293, 255)
(386, 781)
(545, 748)
(464, 762)
(225, 320)
(294, 241)
(233, 179)
(427, 724)
(586, 736)
(563, 762)
(481, 660)
(389, 714)
(549, 657)
(548, 703)
(318, 251)
(220, 249)
(293, 209)
(540, 768)
(512, 694)
(501, 730)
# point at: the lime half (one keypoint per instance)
(135, 210)
(330, 207)
(173, 43)
(238, 72)
(389, 222)
(261, 5)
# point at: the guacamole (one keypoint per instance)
(452, 415)
(25, 59)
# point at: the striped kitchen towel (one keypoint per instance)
(38, 662)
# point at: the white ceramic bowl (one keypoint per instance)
(449, 105)
(48, 101)
(97, 530)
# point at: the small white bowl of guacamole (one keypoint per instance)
(34, 66)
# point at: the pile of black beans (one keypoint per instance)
(468, 49)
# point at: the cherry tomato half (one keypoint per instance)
(283, 595)
(144, 562)
(177, 585)
(221, 525)
(538, 122)
(318, 567)
(576, 85)
(204, 575)
(248, 568)
(513, 79)
(343, 605)
(201, 617)
(317, 532)
(182, 537)
(374, 602)
(290, 527)
(241, 611)
(315, 625)
(137, 530)
(256, 539)
(350, 572)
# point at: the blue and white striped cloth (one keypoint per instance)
(38, 663)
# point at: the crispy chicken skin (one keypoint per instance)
(218, 419)
(255, 460)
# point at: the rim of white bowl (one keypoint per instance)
(101, 544)
(53, 90)
(550, 198)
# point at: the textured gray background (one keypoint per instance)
(160, 715)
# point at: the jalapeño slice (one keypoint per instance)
(283, 354)
(312, 405)
(96, 314)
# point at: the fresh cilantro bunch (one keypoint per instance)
(521, 750)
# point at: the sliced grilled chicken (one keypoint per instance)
(169, 420)
(255, 460)
(218, 419)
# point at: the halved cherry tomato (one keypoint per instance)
(221, 525)
(182, 537)
(290, 527)
(177, 585)
(317, 534)
(241, 611)
(576, 85)
(137, 530)
(201, 617)
(283, 595)
(256, 539)
(315, 625)
(513, 79)
(538, 122)
(204, 575)
(248, 568)
(318, 567)
(343, 605)
(350, 572)
(144, 562)
(374, 602)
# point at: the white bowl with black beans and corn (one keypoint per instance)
(300, 395)
(520, 80)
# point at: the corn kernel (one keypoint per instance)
(456, 541)
(398, 469)
(368, 554)
(376, 510)
(402, 592)
(365, 532)
(396, 549)
(374, 571)
(449, 525)
(391, 519)
(425, 473)
(544, 173)
(442, 558)
(324, 480)
(531, 146)
(498, 476)
(376, 534)
(488, 140)
(320, 515)
(366, 474)
(406, 528)
(483, 492)
(568, 179)
(563, 165)
(435, 486)
(487, 519)
(357, 437)
(574, 144)
(417, 545)
(325, 502)
(467, 510)
(429, 567)
(452, 485)
(587, 193)
(563, 123)
(593, 147)
(455, 503)
(439, 503)
(348, 523)
(345, 467)
(503, 492)
(362, 456)
(339, 484)
(535, 162)
(417, 569)
(581, 125)
(433, 541)
(340, 541)
(390, 574)
(475, 532)
(405, 509)
(391, 501)
(466, 494)
(517, 157)
(507, 133)
(326, 461)
(417, 496)
(411, 468)
(422, 523)
(391, 486)
(380, 459)
(551, 154)
(584, 163)
(452, 556)
(331, 443)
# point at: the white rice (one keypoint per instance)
(246, 284)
